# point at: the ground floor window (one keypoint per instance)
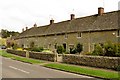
(64, 45)
(55, 45)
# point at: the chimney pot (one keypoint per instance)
(35, 25)
(72, 16)
(26, 28)
(51, 21)
(23, 30)
(100, 11)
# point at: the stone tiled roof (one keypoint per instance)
(107, 21)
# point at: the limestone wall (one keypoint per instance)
(35, 55)
(95, 61)
(16, 52)
(43, 56)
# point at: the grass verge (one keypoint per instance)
(85, 71)
(23, 59)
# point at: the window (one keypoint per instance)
(55, 45)
(66, 35)
(118, 33)
(65, 46)
(55, 37)
(79, 35)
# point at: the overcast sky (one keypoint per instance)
(17, 14)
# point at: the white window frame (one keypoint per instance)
(66, 35)
(118, 33)
(79, 34)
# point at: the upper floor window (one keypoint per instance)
(118, 32)
(55, 37)
(79, 35)
(66, 35)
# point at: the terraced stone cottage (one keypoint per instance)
(88, 30)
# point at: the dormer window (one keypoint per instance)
(79, 34)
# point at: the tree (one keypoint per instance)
(79, 48)
(60, 49)
(6, 33)
(98, 50)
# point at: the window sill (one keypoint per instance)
(79, 37)
(117, 36)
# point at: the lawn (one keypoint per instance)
(66, 67)
(23, 59)
(85, 71)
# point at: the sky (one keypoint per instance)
(18, 14)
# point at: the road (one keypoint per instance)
(16, 69)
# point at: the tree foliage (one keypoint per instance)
(108, 49)
(60, 49)
(6, 33)
(79, 48)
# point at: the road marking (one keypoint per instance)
(19, 69)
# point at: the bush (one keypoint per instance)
(15, 46)
(98, 50)
(66, 52)
(36, 49)
(107, 49)
(73, 51)
(117, 68)
(110, 49)
(76, 49)
(79, 48)
(118, 50)
(60, 49)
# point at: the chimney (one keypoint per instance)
(100, 11)
(51, 21)
(26, 28)
(35, 25)
(22, 29)
(72, 16)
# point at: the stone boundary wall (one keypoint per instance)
(94, 61)
(17, 52)
(35, 55)
(43, 56)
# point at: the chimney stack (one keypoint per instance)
(72, 16)
(51, 21)
(100, 11)
(26, 28)
(22, 29)
(35, 25)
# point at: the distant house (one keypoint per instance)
(88, 30)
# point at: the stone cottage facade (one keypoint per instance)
(98, 28)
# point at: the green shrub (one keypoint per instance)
(60, 49)
(107, 49)
(98, 50)
(79, 48)
(110, 49)
(117, 68)
(15, 46)
(118, 50)
(36, 49)
(73, 51)
(66, 52)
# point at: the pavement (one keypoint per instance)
(16, 69)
